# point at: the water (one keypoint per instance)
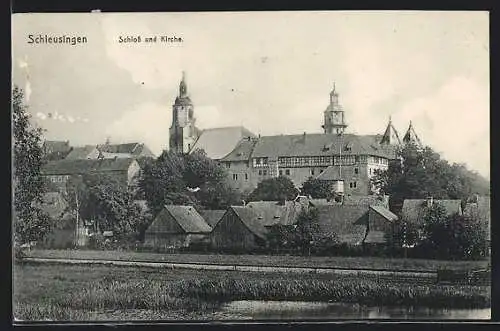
(278, 310)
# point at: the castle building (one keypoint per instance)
(346, 160)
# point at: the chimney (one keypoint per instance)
(430, 200)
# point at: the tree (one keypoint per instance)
(190, 179)
(30, 223)
(419, 173)
(274, 189)
(316, 188)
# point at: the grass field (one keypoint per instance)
(97, 292)
(271, 260)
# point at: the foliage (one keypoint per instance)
(454, 236)
(104, 201)
(274, 189)
(169, 178)
(420, 173)
(317, 189)
(30, 223)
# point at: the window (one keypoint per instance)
(312, 171)
(370, 171)
(321, 170)
(228, 164)
(235, 176)
(260, 172)
(265, 172)
(352, 185)
(356, 171)
(246, 176)
(281, 172)
(287, 172)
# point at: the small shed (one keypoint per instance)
(239, 229)
(380, 222)
(176, 226)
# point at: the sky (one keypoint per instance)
(271, 72)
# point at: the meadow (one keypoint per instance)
(378, 263)
(100, 292)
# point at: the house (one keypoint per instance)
(87, 152)
(125, 171)
(239, 229)
(277, 213)
(414, 210)
(356, 224)
(131, 150)
(65, 232)
(212, 217)
(56, 150)
(176, 226)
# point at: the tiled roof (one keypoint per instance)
(186, 216)
(53, 146)
(73, 167)
(219, 142)
(242, 151)
(117, 155)
(250, 219)
(385, 213)
(78, 153)
(347, 222)
(414, 209)
(128, 148)
(354, 200)
(212, 217)
(330, 173)
(189, 219)
(272, 212)
(320, 145)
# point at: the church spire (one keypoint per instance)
(334, 120)
(411, 136)
(390, 136)
(183, 86)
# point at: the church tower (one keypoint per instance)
(390, 136)
(334, 120)
(183, 132)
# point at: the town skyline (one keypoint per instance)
(279, 77)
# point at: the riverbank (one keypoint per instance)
(98, 292)
(338, 262)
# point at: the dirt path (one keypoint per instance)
(200, 266)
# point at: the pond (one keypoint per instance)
(301, 310)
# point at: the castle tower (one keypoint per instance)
(390, 136)
(411, 137)
(183, 132)
(334, 119)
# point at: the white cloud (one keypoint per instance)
(41, 116)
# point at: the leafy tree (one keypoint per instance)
(308, 232)
(419, 173)
(192, 179)
(274, 189)
(30, 223)
(317, 189)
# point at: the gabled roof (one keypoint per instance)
(134, 149)
(188, 218)
(272, 212)
(212, 217)
(83, 152)
(242, 151)
(347, 222)
(54, 146)
(414, 209)
(411, 136)
(390, 136)
(320, 145)
(73, 167)
(250, 219)
(330, 173)
(384, 212)
(218, 142)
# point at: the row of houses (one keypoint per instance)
(358, 220)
